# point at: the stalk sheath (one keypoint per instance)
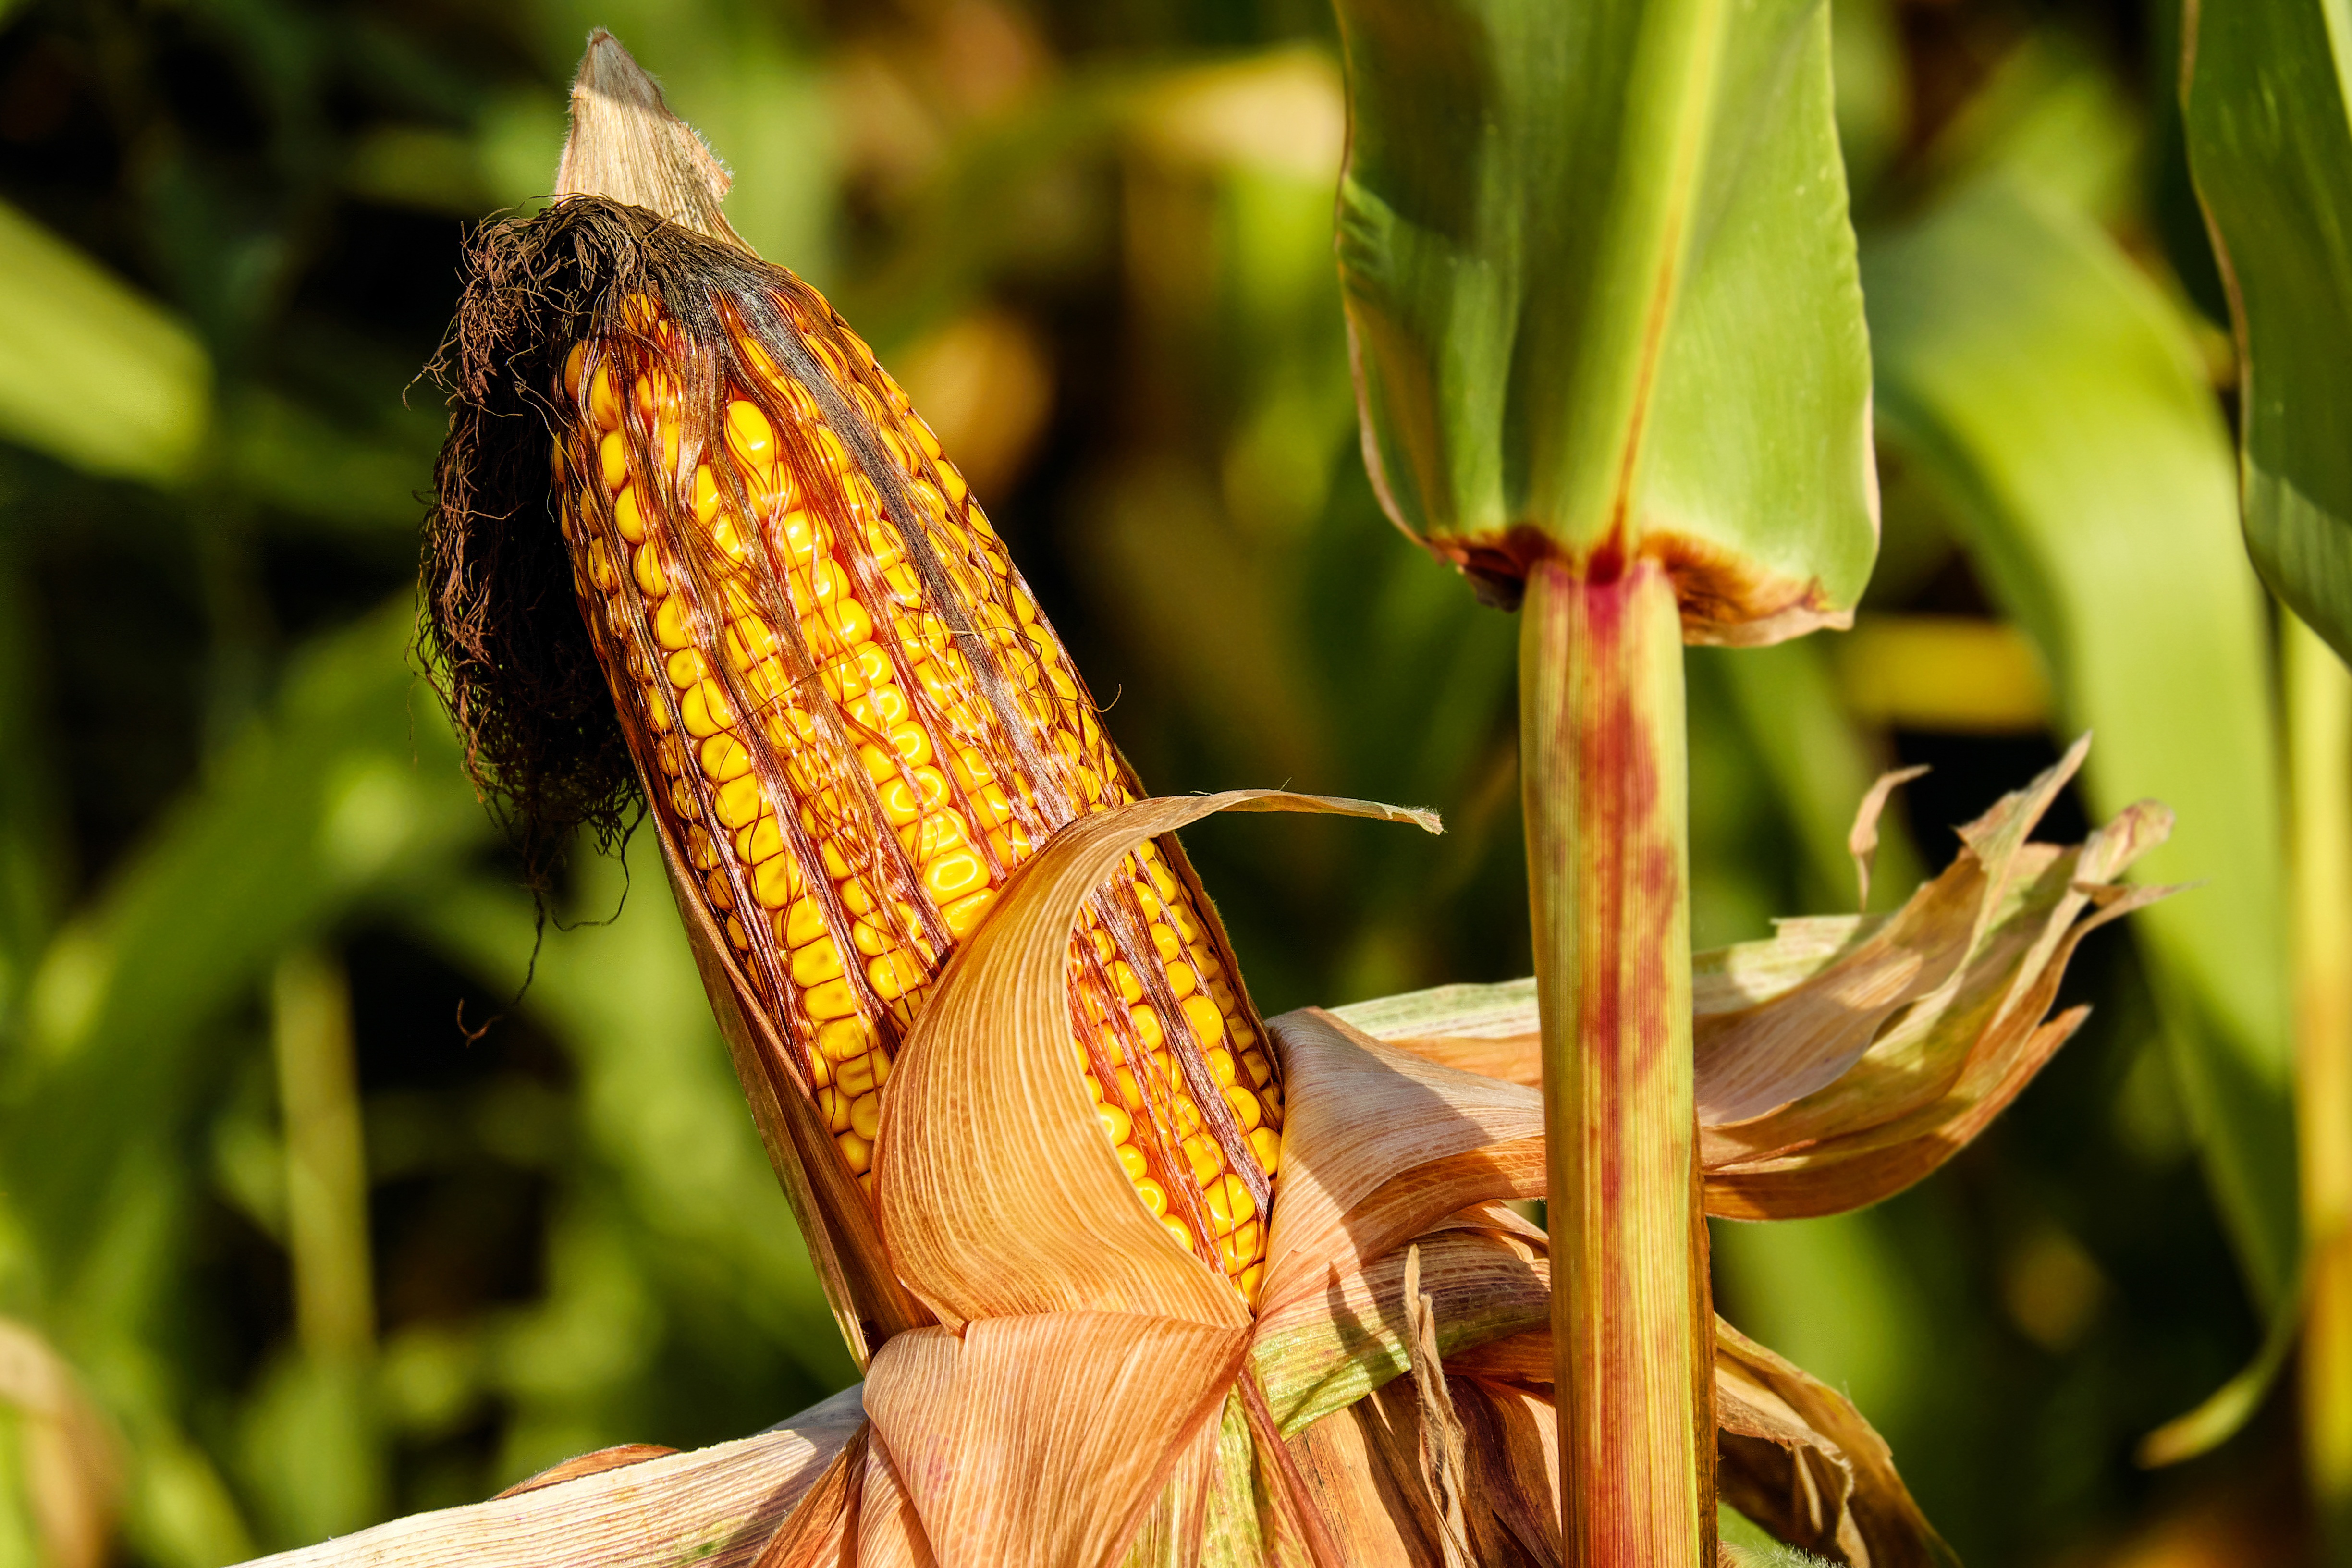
(1604, 776)
(2319, 759)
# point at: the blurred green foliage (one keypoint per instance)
(1095, 241)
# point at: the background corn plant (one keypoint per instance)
(315, 1256)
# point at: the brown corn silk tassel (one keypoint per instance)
(842, 702)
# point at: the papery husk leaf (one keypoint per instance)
(1380, 1145)
(1515, 1450)
(890, 1530)
(1932, 1082)
(627, 145)
(1173, 1534)
(844, 1239)
(1318, 1352)
(1937, 1069)
(1443, 1463)
(1796, 1457)
(1862, 840)
(999, 1197)
(1756, 1060)
(821, 1530)
(1044, 1439)
(1354, 1492)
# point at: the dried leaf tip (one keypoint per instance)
(627, 145)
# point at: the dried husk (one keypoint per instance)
(1935, 1017)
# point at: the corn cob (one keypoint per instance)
(851, 716)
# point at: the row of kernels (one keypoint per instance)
(849, 1064)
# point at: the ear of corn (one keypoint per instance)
(853, 719)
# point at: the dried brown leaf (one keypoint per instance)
(1796, 1457)
(1862, 842)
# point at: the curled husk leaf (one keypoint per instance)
(1846, 1058)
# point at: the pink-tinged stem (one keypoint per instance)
(2319, 764)
(1605, 781)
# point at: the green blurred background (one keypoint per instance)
(311, 1213)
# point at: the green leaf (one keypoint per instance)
(2053, 396)
(1601, 285)
(92, 373)
(2269, 145)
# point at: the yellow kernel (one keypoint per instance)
(880, 708)
(866, 1115)
(1259, 1069)
(1011, 844)
(1250, 1280)
(862, 1074)
(1137, 1170)
(1154, 1196)
(736, 935)
(844, 1039)
(725, 759)
(1244, 1107)
(650, 576)
(803, 535)
(954, 873)
(1128, 1094)
(904, 801)
(1146, 1025)
(964, 916)
(757, 842)
(1221, 1066)
(989, 804)
(1266, 1144)
(728, 535)
(871, 939)
(894, 974)
(1163, 935)
(1243, 1248)
(803, 922)
(1229, 1201)
(938, 834)
(705, 493)
(701, 850)
(738, 801)
(599, 567)
(833, 999)
(1116, 1124)
(834, 1106)
(1208, 1161)
(1182, 980)
(627, 517)
(858, 1151)
(613, 461)
(750, 434)
(774, 880)
(705, 709)
(685, 667)
(671, 626)
(1207, 1023)
(1130, 989)
(1175, 1228)
(603, 403)
(1187, 1115)
(817, 962)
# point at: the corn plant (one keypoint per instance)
(1048, 1156)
